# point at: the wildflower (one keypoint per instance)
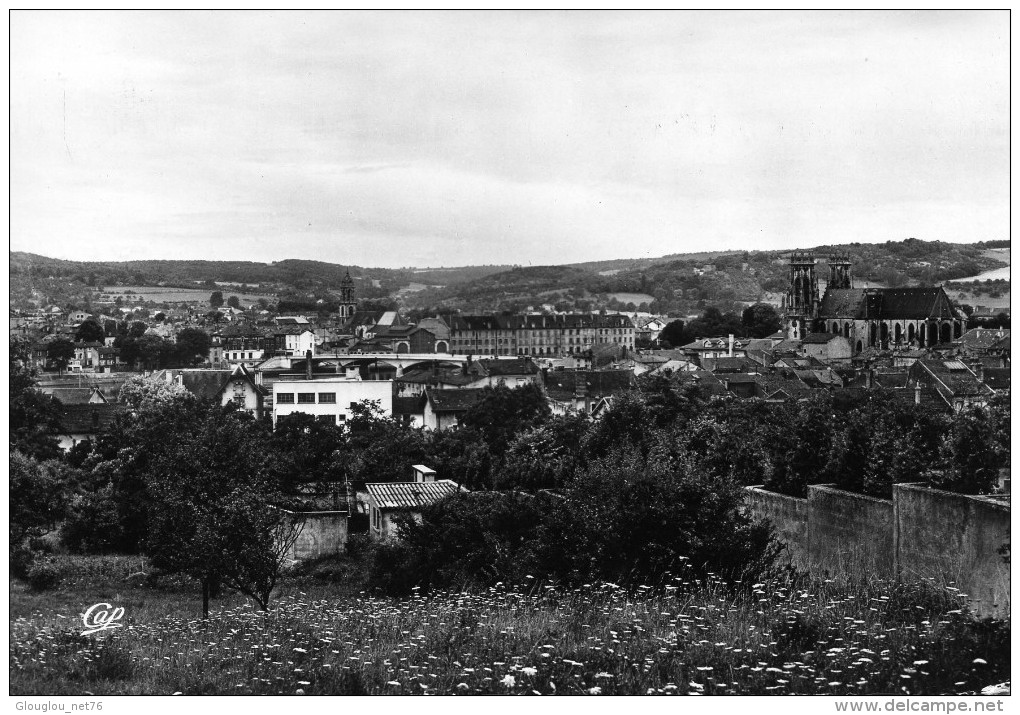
(595, 691)
(529, 671)
(509, 681)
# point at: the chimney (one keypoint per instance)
(258, 377)
(421, 474)
(917, 394)
(731, 345)
(726, 383)
(308, 365)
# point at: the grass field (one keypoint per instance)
(784, 636)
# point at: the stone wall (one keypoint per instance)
(956, 540)
(849, 533)
(322, 533)
(789, 517)
(921, 534)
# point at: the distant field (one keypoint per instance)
(159, 294)
(999, 254)
(992, 275)
(983, 300)
(635, 298)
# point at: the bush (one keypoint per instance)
(94, 523)
(43, 576)
(21, 560)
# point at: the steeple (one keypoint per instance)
(347, 304)
(839, 271)
(801, 302)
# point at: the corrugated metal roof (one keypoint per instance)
(410, 495)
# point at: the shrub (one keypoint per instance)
(21, 560)
(43, 576)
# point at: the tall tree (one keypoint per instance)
(233, 302)
(90, 332)
(760, 320)
(34, 417)
(502, 412)
(192, 343)
(60, 352)
(216, 299)
(213, 513)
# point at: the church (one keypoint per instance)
(881, 318)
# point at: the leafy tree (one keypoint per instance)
(154, 351)
(501, 412)
(673, 333)
(90, 331)
(308, 450)
(976, 448)
(149, 393)
(213, 515)
(760, 320)
(216, 299)
(192, 345)
(34, 417)
(469, 538)
(712, 323)
(544, 457)
(60, 352)
(628, 519)
(234, 302)
(137, 329)
(38, 497)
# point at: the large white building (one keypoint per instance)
(330, 399)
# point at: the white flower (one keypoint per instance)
(595, 691)
(529, 671)
(509, 681)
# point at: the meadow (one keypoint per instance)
(786, 635)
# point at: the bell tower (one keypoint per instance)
(347, 304)
(839, 271)
(801, 301)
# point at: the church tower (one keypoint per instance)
(801, 302)
(839, 271)
(347, 304)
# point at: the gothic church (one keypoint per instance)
(882, 318)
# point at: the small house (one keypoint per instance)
(387, 499)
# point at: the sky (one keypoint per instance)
(401, 138)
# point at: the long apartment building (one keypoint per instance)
(569, 334)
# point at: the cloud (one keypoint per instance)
(400, 138)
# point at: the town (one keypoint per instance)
(527, 352)
(913, 343)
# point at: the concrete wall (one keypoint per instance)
(789, 517)
(954, 539)
(850, 533)
(921, 534)
(323, 533)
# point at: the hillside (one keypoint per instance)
(679, 284)
(689, 283)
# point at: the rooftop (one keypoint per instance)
(410, 495)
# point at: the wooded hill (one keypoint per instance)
(677, 284)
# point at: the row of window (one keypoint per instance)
(306, 398)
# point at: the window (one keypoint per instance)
(327, 398)
(285, 397)
(306, 398)
(325, 418)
